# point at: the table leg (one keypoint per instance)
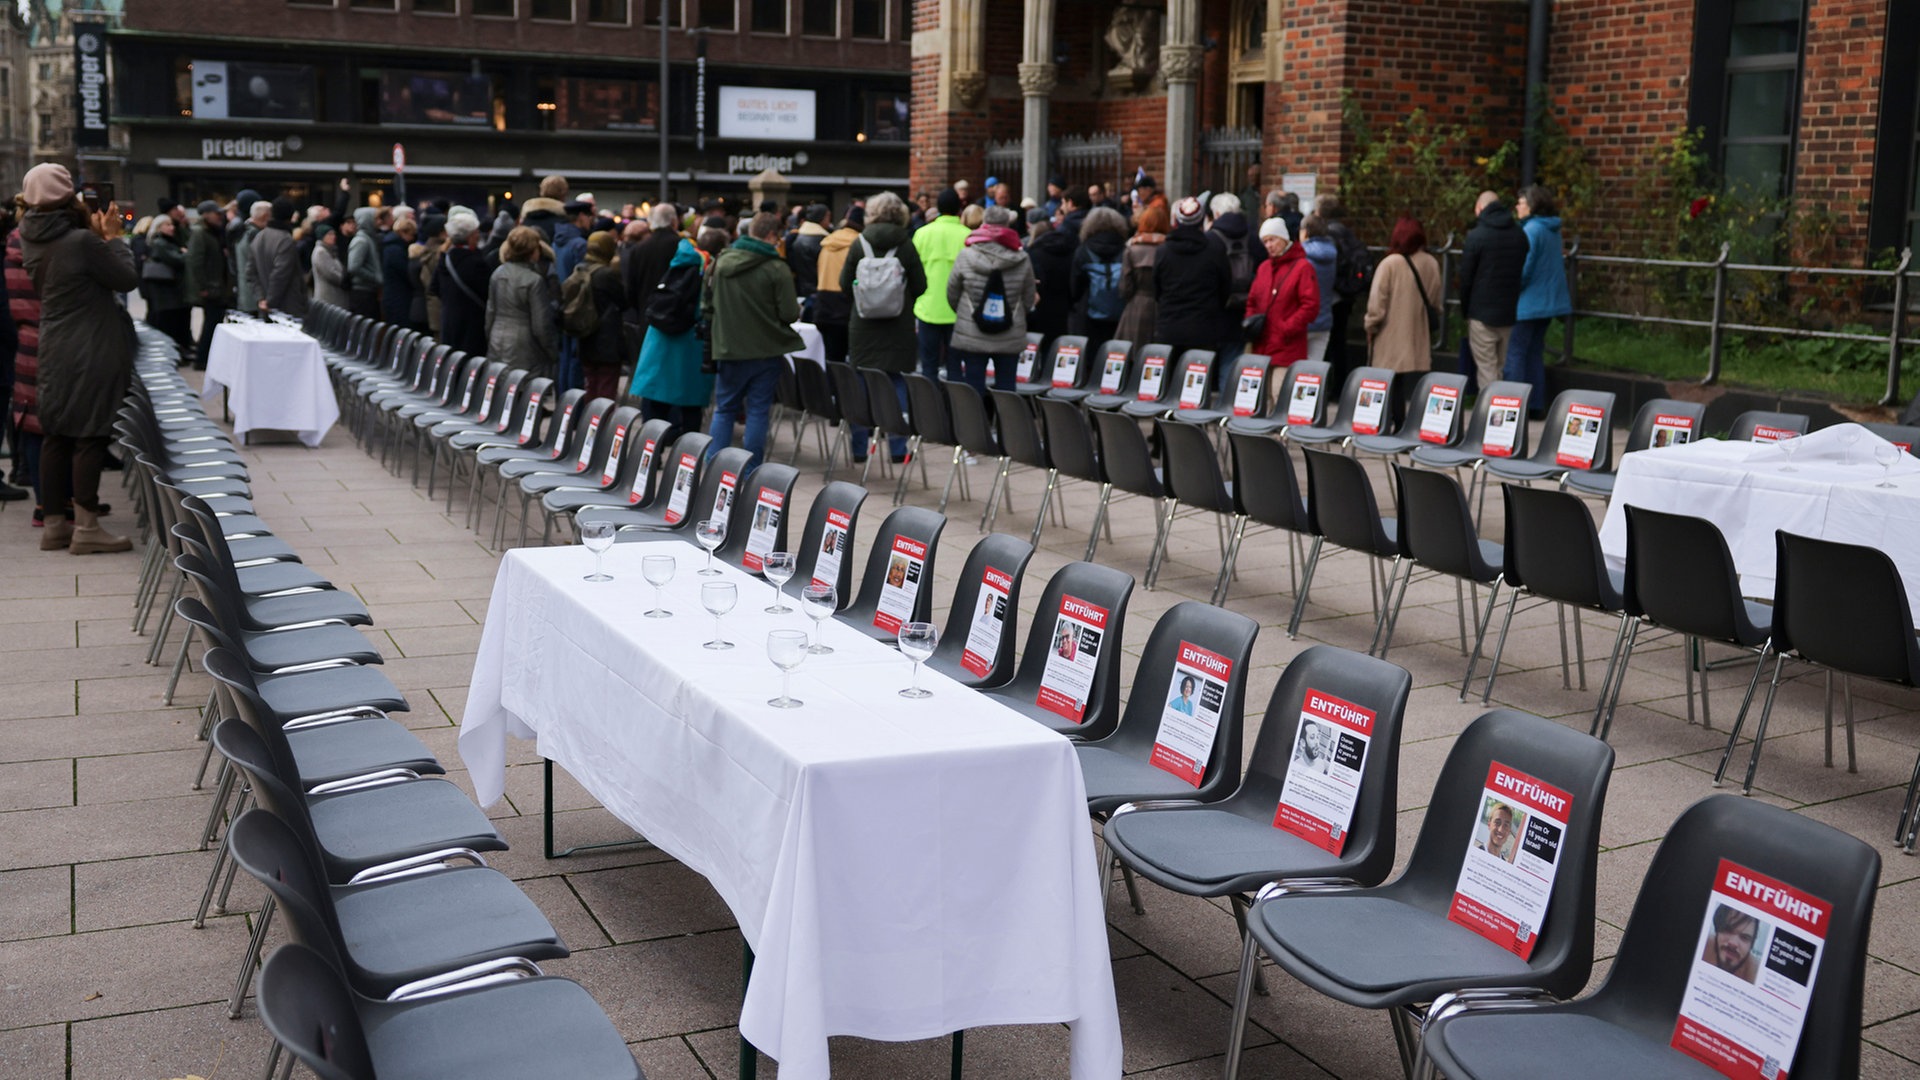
(546, 821)
(749, 1057)
(959, 1054)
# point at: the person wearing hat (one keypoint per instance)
(163, 282)
(1056, 187)
(1284, 300)
(79, 262)
(1146, 193)
(1192, 280)
(209, 277)
(273, 261)
(329, 269)
(938, 243)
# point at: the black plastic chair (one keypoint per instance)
(1266, 493)
(1393, 947)
(820, 412)
(1437, 397)
(933, 423)
(1193, 479)
(883, 401)
(1904, 436)
(973, 428)
(1067, 368)
(1377, 384)
(719, 482)
(681, 465)
(907, 535)
(988, 662)
(1071, 452)
(1341, 510)
(1105, 370)
(1188, 385)
(850, 394)
(588, 439)
(1151, 380)
(771, 486)
(837, 507)
(1437, 535)
(1126, 464)
(1662, 420)
(596, 467)
(1023, 444)
(1759, 425)
(1626, 1026)
(1553, 460)
(627, 469)
(1243, 393)
(1027, 363)
(1472, 452)
(1079, 586)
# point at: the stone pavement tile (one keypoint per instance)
(197, 1040)
(1340, 1039)
(1618, 877)
(526, 787)
(525, 858)
(669, 1059)
(129, 693)
(1014, 1052)
(1877, 1063)
(656, 900)
(1195, 936)
(1892, 991)
(367, 551)
(1273, 1060)
(47, 582)
(1897, 908)
(33, 1053)
(578, 927)
(1640, 735)
(38, 633)
(1871, 817)
(425, 613)
(35, 903)
(69, 608)
(1643, 800)
(54, 697)
(1794, 766)
(423, 672)
(1167, 1018)
(150, 890)
(114, 831)
(131, 777)
(81, 976)
(664, 987)
(33, 785)
(126, 655)
(108, 733)
(461, 641)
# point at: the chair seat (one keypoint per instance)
(1145, 410)
(269, 651)
(1445, 457)
(1591, 483)
(249, 548)
(519, 467)
(1202, 416)
(396, 932)
(1368, 950)
(1254, 425)
(1107, 402)
(1113, 778)
(1388, 444)
(359, 829)
(530, 1027)
(565, 501)
(307, 607)
(226, 505)
(277, 576)
(307, 693)
(1208, 852)
(356, 747)
(1317, 436)
(1070, 393)
(551, 481)
(242, 525)
(1554, 1041)
(1508, 469)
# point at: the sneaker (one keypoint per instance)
(9, 493)
(39, 518)
(969, 459)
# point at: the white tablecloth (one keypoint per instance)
(275, 378)
(1742, 487)
(902, 869)
(815, 348)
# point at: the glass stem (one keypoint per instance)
(718, 635)
(709, 560)
(916, 677)
(785, 681)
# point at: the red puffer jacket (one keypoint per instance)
(1287, 292)
(23, 301)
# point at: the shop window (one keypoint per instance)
(674, 9)
(373, 5)
(769, 17)
(436, 97)
(870, 19)
(46, 71)
(312, 3)
(719, 14)
(552, 10)
(820, 18)
(436, 7)
(885, 117)
(610, 12)
(46, 128)
(499, 9)
(1761, 95)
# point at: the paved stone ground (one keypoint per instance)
(101, 975)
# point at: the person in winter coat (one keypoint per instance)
(166, 290)
(832, 305)
(1321, 252)
(1543, 292)
(888, 344)
(1051, 252)
(209, 279)
(521, 331)
(1230, 230)
(78, 262)
(751, 306)
(329, 270)
(667, 378)
(1406, 296)
(247, 286)
(937, 244)
(1099, 275)
(396, 284)
(423, 261)
(1287, 291)
(569, 240)
(1490, 266)
(273, 261)
(1140, 317)
(604, 351)
(994, 246)
(1192, 280)
(23, 304)
(461, 283)
(363, 263)
(803, 255)
(643, 270)
(1350, 281)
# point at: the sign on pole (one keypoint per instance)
(90, 84)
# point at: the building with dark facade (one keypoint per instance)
(487, 96)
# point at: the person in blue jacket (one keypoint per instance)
(1543, 292)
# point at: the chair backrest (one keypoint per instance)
(898, 585)
(1530, 768)
(972, 424)
(1436, 525)
(1070, 366)
(816, 390)
(850, 394)
(932, 417)
(883, 401)
(1553, 550)
(1303, 396)
(1070, 443)
(1681, 575)
(1111, 369)
(522, 414)
(1351, 705)
(719, 482)
(1433, 412)
(1265, 487)
(680, 468)
(1027, 363)
(587, 450)
(787, 387)
(1904, 436)
(509, 398)
(1245, 387)
(1340, 503)
(1157, 378)
(621, 446)
(1084, 607)
(759, 522)
(1366, 402)
(269, 849)
(1195, 661)
(1843, 606)
(1125, 457)
(1193, 467)
(828, 536)
(473, 388)
(1672, 923)
(1664, 422)
(309, 1009)
(1019, 432)
(1579, 431)
(1758, 425)
(1499, 425)
(983, 625)
(641, 466)
(1193, 382)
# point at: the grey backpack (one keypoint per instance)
(879, 284)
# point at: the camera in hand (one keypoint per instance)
(97, 195)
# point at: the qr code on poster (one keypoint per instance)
(1770, 1068)
(1525, 933)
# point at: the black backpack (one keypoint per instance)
(1352, 266)
(675, 304)
(1243, 267)
(991, 314)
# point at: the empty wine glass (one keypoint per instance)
(658, 570)
(778, 568)
(916, 644)
(1787, 446)
(820, 602)
(1886, 454)
(1849, 434)
(718, 598)
(711, 533)
(598, 537)
(786, 648)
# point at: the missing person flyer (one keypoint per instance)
(1764, 433)
(1193, 388)
(1023, 373)
(682, 488)
(586, 444)
(526, 425)
(833, 548)
(905, 564)
(765, 527)
(1507, 877)
(612, 467)
(1581, 437)
(1669, 430)
(1072, 657)
(1503, 425)
(1114, 373)
(723, 498)
(1246, 393)
(1152, 370)
(642, 474)
(989, 622)
(1323, 778)
(1066, 366)
(1191, 717)
(1436, 424)
(1369, 406)
(1305, 402)
(1752, 979)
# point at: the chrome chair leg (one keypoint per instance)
(248, 961)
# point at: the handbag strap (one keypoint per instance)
(1419, 287)
(459, 282)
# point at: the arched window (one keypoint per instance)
(1247, 67)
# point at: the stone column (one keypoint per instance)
(1180, 57)
(966, 69)
(1037, 80)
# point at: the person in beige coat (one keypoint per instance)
(1405, 301)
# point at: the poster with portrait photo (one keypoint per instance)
(1512, 858)
(723, 495)
(1113, 374)
(612, 467)
(1369, 406)
(1580, 440)
(1304, 403)
(682, 490)
(1153, 371)
(1436, 424)
(1066, 366)
(833, 548)
(643, 473)
(768, 508)
(1669, 430)
(989, 622)
(1029, 355)
(1073, 656)
(1193, 387)
(905, 565)
(1190, 719)
(1323, 776)
(1246, 393)
(1503, 425)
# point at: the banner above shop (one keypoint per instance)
(757, 112)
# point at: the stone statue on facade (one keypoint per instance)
(1133, 35)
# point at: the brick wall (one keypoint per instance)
(1839, 111)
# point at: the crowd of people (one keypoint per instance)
(692, 308)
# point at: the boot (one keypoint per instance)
(89, 538)
(55, 533)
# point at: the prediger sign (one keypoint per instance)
(90, 83)
(756, 112)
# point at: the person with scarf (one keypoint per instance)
(981, 335)
(1283, 302)
(667, 379)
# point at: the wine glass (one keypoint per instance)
(1886, 454)
(820, 602)
(1787, 446)
(598, 537)
(711, 533)
(778, 568)
(1849, 434)
(916, 644)
(658, 570)
(786, 648)
(718, 598)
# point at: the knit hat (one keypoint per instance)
(601, 246)
(948, 202)
(857, 217)
(1188, 211)
(47, 185)
(1274, 226)
(207, 206)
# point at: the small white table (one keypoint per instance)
(1746, 490)
(275, 378)
(901, 869)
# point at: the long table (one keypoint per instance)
(901, 869)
